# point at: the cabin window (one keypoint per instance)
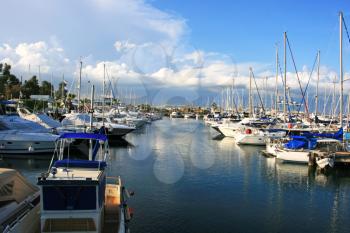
(69, 197)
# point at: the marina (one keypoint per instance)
(114, 120)
(172, 184)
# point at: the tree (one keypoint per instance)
(9, 83)
(61, 93)
(46, 88)
(31, 87)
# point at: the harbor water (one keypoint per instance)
(187, 179)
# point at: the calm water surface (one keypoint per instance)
(188, 180)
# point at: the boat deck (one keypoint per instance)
(112, 209)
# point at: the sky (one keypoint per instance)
(165, 48)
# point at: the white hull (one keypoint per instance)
(249, 139)
(227, 131)
(293, 156)
(26, 143)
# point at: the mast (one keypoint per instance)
(285, 80)
(276, 85)
(79, 84)
(103, 93)
(39, 78)
(265, 95)
(91, 117)
(250, 93)
(341, 65)
(318, 79)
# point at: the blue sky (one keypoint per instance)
(177, 45)
(249, 29)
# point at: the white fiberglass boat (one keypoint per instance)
(40, 118)
(82, 120)
(16, 142)
(249, 136)
(19, 136)
(77, 195)
(19, 203)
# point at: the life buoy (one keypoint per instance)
(248, 131)
(290, 125)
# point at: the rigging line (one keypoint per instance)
(296, 71)
(346, 28)
(257, 89)
(308, 82)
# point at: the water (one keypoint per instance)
(188, 180)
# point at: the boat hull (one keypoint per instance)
(293, 156)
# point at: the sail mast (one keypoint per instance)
(341, 65)
(103, 93)
(250, 94)
(276, 85)
(79, 84)
(285, 80)
(318, 80)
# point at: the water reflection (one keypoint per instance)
(182, 177)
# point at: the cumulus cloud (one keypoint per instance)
(50, 59)
(144, 45)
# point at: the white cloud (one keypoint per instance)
(50, 59)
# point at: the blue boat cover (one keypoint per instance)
(338, 135)
(84, 136)
(300, 142)
(80, 163)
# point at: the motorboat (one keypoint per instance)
(40, 118)
(19, 203)
(77, 195)
(249, 136)
(176, 115)
(82, 121)
(19, 136)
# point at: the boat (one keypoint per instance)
(298, 150)
(249, 136)
(82, 121)
(19, 203)
(40, 118)
(77, 195)
(176, 115)
(19, 136)
(190, 115)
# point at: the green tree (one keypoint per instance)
(61, 93)
(9, 83)
(31, 87)
(46, 88)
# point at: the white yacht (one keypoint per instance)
(19, 136)
(249, 136)
(82, 120)
(40, 118)
(77, 195)
(19, 203)
(175, 115)
(255, 136)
